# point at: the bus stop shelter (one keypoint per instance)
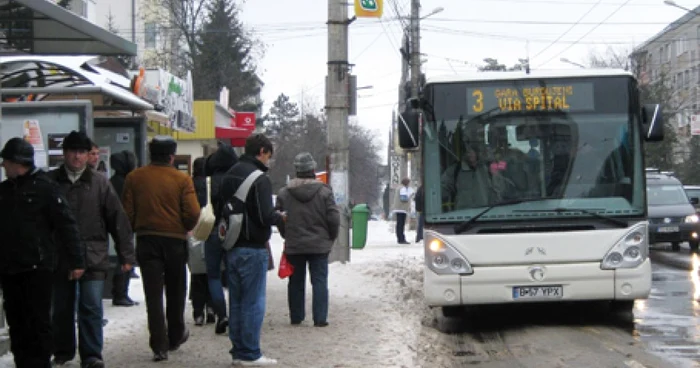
(41, 27)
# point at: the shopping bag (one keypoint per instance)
(286, 269)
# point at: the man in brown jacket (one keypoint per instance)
(98, 211)
(162, 206)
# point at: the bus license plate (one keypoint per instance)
(668, 229)
(538, 292)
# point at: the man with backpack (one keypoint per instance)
(247, 254)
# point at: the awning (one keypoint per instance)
(42, 27)
(237, 136)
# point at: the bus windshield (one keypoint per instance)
(551, 143)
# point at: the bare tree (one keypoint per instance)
(179, 23)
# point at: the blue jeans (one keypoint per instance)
(214, 254)
(247, 277)
(90, 313)
(296, 293)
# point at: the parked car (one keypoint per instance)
(672, 217)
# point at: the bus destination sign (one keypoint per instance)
(518, 97)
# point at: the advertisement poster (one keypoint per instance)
(176, 97)
(103, 165)
(55, 150)
(32, 134)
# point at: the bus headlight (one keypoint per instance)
(692, 219)
(442, 258)
(630, 251)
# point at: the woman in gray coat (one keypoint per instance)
(309, 232)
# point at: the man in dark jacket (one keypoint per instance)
(122, 163)
(312, 226)
(99, 213)
(246, 262)
(217, 164)
(32, 211)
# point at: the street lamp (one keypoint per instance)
(673, 3)
(565, 60)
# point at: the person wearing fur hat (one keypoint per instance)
(313, 220)
(162, 206)
(36, 225)
(99, 213)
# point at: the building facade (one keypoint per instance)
(672, 56)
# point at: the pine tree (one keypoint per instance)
(224, 58)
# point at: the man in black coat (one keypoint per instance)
(32, 214)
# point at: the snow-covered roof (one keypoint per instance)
(111, 84)
(521, 75)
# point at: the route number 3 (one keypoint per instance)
(479, 103)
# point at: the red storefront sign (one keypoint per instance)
(242, 126)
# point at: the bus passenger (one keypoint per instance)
(469, 184)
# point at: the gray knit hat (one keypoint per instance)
(304, 162)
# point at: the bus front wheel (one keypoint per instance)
(621, 306)
(675, 246)
(694, 245)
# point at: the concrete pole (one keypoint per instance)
(337, 116)
(415, 80)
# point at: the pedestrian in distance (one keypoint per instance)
(247, 260)
(94, 155)
(36, 225)
(99, 214)
(401, 208)
(162, 206)
(313, 220)
(419, 199)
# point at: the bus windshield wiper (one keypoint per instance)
(587, 211)
(464, 226)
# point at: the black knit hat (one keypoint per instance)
(19, 151)
(162, 145)
(78, 141)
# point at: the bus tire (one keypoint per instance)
(694, 244)
(675, 246)
(621, 306)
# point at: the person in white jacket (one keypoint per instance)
(402, 207)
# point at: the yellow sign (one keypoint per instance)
(369, 8)
(550, 98)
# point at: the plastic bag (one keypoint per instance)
(286, 269)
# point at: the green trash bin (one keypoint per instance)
(360, 217)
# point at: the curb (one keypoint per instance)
(676, 260)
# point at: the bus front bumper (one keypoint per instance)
(537, 283)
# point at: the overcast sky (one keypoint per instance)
(455, 40)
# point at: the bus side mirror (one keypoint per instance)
(653, 123)
(409, 129)
(694, 200)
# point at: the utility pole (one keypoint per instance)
(336, 109)
(415, 157)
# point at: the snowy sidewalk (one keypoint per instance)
(368, 326)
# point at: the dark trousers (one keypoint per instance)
(163, 263)
(86, 295)
(120, 283)
(296, 293)
(199, 294)
(419, 229)
(28, 311)
(400, 226)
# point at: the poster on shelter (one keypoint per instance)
(32, 134)
(103, 164)
(177, 100)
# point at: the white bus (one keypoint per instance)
(534, 187)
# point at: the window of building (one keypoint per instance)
(150, 35)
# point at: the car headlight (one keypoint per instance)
(692, 219)
(442, 258)
(630, 251)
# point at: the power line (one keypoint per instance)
(587, 33)
(567, 31)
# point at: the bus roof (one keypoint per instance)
(517, 75)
